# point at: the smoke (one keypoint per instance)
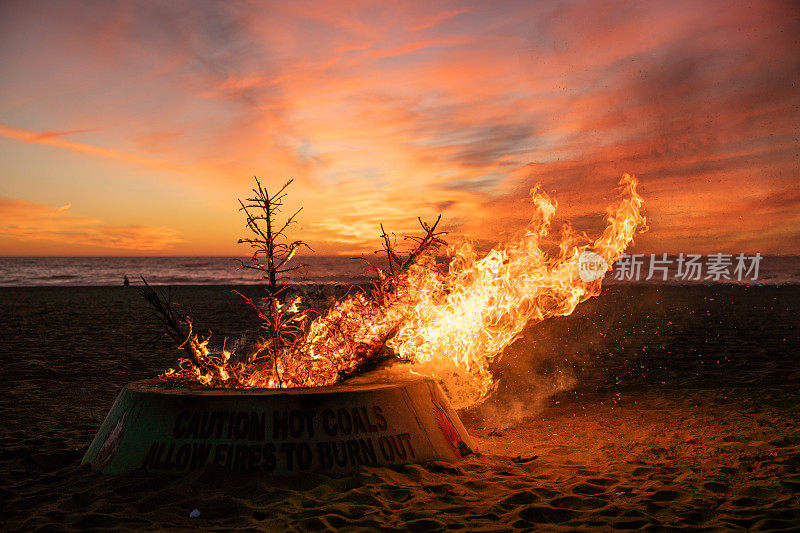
(551, 357)
(502, 413)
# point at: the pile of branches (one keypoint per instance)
(296, 347)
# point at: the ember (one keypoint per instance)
(447, 324)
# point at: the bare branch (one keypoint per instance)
(179, 329)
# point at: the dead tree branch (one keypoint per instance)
(388, 282)
(271, 249)
(175, 326)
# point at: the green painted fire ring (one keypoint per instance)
(159, 427)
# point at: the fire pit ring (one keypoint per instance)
(333, 430)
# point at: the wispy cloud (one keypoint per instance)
(437, 19)
(31, 221)
(56, 139)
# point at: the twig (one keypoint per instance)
(180, 330)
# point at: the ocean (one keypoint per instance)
(110, 271)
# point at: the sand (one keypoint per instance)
(650, 407)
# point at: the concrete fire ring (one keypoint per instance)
(165, 428)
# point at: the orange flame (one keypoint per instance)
(448, 325)
(463, 321)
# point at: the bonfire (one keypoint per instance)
(446, 320)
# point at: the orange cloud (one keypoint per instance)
(54, 139)
(31, 221)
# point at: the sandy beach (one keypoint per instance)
(650, 407)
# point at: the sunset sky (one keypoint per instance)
(131, 128)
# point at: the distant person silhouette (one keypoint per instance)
(126, 282)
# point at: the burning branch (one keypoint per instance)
(398, 265)
(272, 250)
(178, 328)
(282, 322)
